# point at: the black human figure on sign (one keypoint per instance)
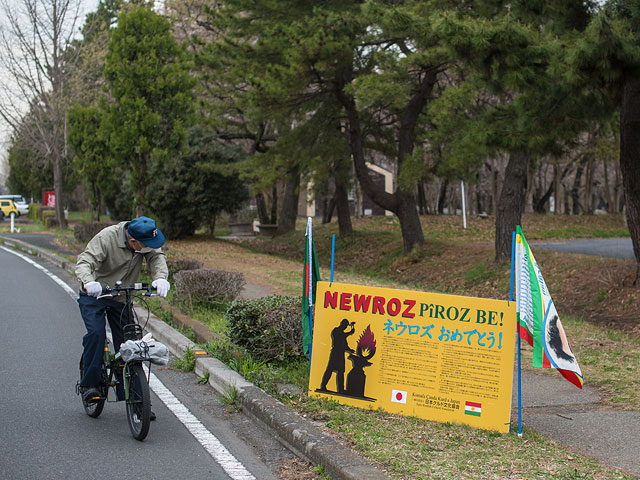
(356, 377)
(339, 347)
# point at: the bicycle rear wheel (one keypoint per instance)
(93, 409)
(139, 401)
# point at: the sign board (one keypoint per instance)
(49, 198)
(439, 357)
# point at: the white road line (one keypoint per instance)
(211, 444)
(227, 461)
(60, 282)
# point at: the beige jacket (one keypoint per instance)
(107, 259)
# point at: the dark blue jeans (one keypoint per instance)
(94, 311)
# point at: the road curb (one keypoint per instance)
(294, 431)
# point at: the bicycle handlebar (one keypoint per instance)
(108, 291)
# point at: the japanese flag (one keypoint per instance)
(398, 396)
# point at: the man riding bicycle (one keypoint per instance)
(114, 254)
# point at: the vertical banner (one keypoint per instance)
(438, 357)
(49, 198)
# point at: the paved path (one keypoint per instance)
(603, 247)
(575, 418)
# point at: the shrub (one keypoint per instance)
(48, 218)
(177, 264)
(207, 286)
(43, 211)
(84, 232)
(268, 327)
(34, 208)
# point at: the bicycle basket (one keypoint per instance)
(133, 331)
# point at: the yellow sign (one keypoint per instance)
(438, 357)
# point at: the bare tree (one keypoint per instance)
(35, 36)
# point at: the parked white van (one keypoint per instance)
(19, 201)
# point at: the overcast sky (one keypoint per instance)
(87, 6)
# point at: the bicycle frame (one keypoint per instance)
(112, 361)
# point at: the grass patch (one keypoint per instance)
(412, 448)
(204, 379)
(229, 398)
(210, 315)
(186, 363)
(607, 358)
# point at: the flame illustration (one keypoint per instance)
(367, 342)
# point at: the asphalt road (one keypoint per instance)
(45, 432)
(603, 247)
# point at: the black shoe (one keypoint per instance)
(90, 394)
(152, 416)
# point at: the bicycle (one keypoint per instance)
(133, 377)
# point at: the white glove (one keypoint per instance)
(162, 286)
(94, 289)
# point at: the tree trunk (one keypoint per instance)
(495, 186)
(530, 204)
(607, 188)
(274, 204)
(540, 205)
(629, 163)
(409, 221)
(443, 195)
(619, 190)
(588, 186)
(97, 201)
(422, 199)
(57, 186)
(342, 204)
(511, 203)
(328, 212)
(289, 212)
(261, 206)
(575, 190)
(212, 224)
(557, 193)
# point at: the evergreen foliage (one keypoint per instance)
(147, 74)
(194, 188)
(89, 138)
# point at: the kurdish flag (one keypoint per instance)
(538, 319)
(310, 276)
(473, 408)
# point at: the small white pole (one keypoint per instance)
(13, 216)
(464, 209)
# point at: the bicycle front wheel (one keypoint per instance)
(138, 401)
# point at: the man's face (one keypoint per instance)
(135, 244)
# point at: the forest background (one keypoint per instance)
(187, 111)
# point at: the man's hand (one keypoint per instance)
(93, 289)
(162, 286)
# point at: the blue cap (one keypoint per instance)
(144, 230)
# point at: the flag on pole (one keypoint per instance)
(310, 276)
(538, 320)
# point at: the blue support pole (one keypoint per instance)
(333, 254)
